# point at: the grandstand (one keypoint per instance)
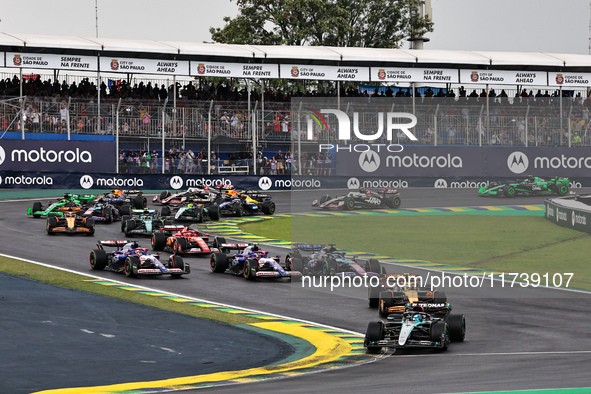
(216, 117)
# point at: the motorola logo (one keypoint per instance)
(176, 182)
(265, 183)
(441, 183)
(86, 181)
(353, 183)
(517, 162)
(369, 161)
(2, 155)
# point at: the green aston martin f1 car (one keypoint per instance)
(532, 186)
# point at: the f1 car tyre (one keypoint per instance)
(140, 202)
(440, 333)
(373, 265)
(129, 226)
(374, 332)
(457, 327)
(89, 224)
(562, 190)
(297, 265)
(218, 242)
(108, 215)
(385, 301)
(51, 224)
(439, 297)
(250, 269)
(158, 240)
(130, 263)
(290, 257)
(329, 267)
(176, 262)
(218, 262)
(237, 210)
(180, 245)
(36, 207)
(124, 220)
(214, 212)
(164, 195)
(349, 203)
(98, 259)
(124, 210)
(165, 211)
(396, 201)
(199, 214)
(324, 199)
(373, 296)
(509, 191)
(268, 207)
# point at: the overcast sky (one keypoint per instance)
(560, 26)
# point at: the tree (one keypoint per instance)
(352, 23)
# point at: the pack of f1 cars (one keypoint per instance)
(103, 212)
(185, 241)
(70, 222)
(182, 197)
(327, 260)
(426, 325)
(531, 186)
(192, 212)
(141, 222)
(246, 202)
(394, 291)
(361, 199)
(68, 203)
(118, 198)
(251, 263)
(132, 260)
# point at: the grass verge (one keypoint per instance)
(78, 282)
(524, 244)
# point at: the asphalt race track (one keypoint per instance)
(516, 338)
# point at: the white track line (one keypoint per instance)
(184, 296)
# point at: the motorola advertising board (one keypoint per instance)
(57, 156)
(453, 161)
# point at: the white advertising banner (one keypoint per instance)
(144, 66)
(331, 73)
(51, 61)
(569, 79)
(501, 77)
(428, 75)
(234, 70)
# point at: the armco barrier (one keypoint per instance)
(99, 181)
(571, 212)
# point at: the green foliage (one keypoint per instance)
(352, 23)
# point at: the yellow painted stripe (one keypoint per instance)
(457, 209)
(494, 208)
(328, 348)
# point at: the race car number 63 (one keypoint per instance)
(536, 280)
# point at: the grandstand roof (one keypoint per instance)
(286, 54)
